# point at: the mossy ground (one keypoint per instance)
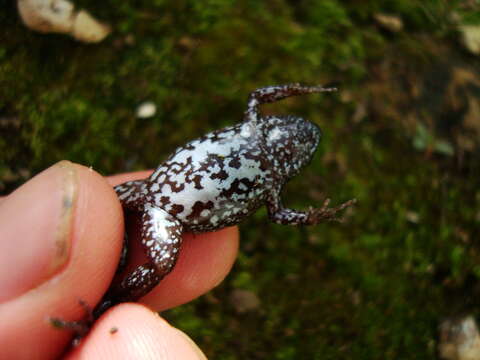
(401, 135)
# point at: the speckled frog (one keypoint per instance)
(217, 181)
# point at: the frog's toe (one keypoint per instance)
(80, 328)
(326, 213)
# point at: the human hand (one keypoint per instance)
(61, 235)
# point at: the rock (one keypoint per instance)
(412, 216)
(87, 29)
(244, 300)
(60, 16)
(471, 38)
(389, 22)
(146, 110)
(459, 339)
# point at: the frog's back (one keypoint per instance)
(214, 181)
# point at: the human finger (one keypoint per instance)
(132, 331)
(60, 239)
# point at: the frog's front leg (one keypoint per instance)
(161, 237)
(131, 194)
(271, 94)
(313, 216)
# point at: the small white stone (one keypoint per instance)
(390, 22)
(88, 29)
(459, 339)
(471, 38)
(146, 110)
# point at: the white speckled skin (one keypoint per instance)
(216, 181)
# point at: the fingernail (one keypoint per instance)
(35, 230)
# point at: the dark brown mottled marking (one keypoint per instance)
(175, 186)
(176, 209)
(235, 163)
(197, 180)
(165, 200)
(222, 175)
(198, 207)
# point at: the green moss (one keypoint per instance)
(374, 287)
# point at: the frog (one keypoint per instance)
(216, 181)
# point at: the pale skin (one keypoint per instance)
(61, 236)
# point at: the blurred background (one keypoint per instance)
(402, 135)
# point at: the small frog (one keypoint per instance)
(217, 181)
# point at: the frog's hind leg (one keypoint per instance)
(161, 238)
(131, 194)
(271, 94)
(313, 216)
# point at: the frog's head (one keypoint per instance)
(291, 142)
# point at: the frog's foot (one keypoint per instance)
(161, 237)
(313, 216)
(326, 213)
(80, 328)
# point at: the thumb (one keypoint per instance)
(60, 239)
